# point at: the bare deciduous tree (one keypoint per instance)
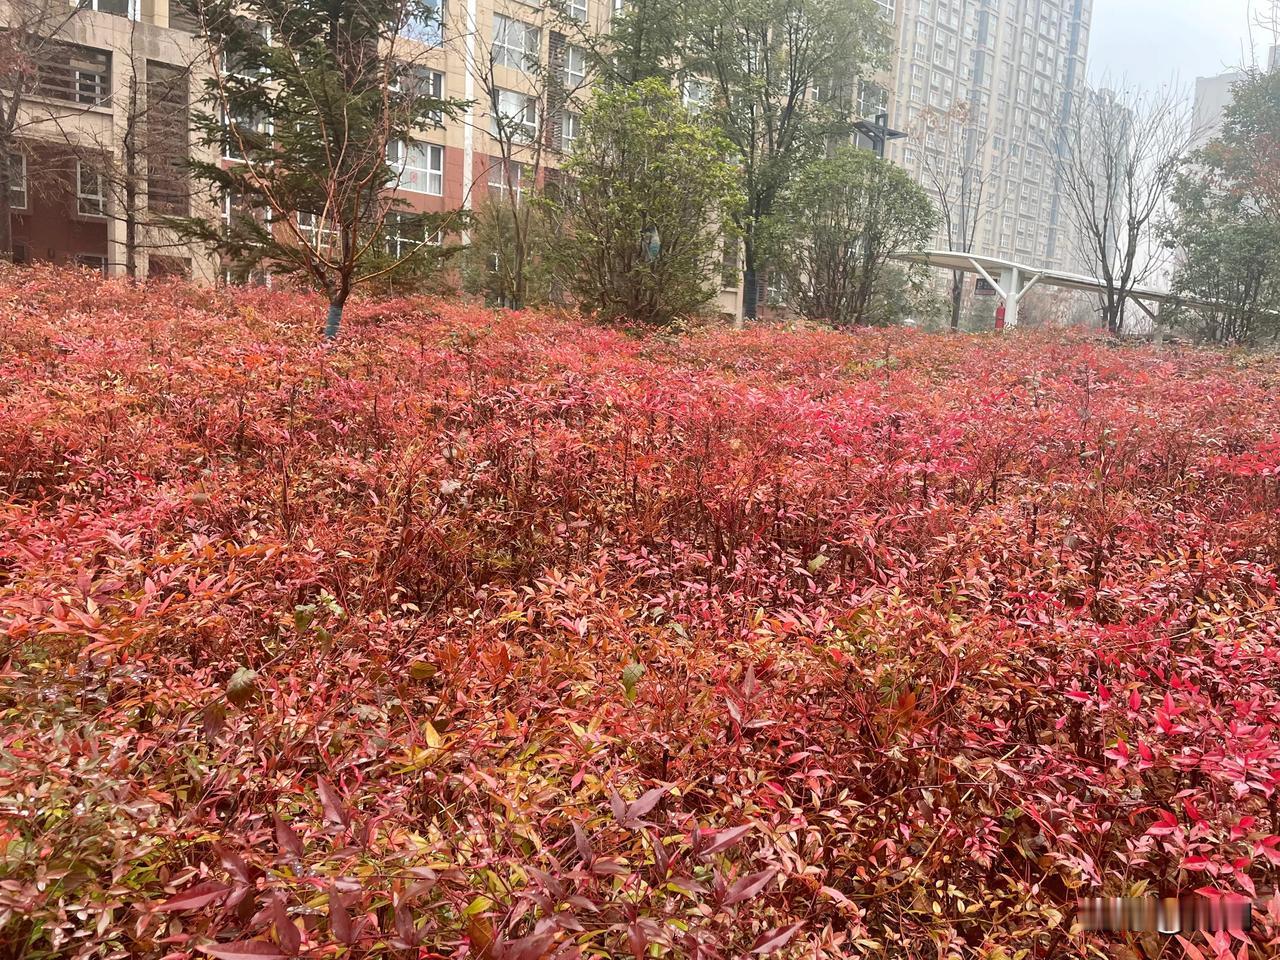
(959, 182)
(1117, 163)
(30, 31)
(527, 70)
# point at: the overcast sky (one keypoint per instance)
(1146, 41)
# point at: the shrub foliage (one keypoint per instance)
(504, 636)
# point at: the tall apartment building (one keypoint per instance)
(983, 89)
(103, 134)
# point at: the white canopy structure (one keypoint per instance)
(1012, 280)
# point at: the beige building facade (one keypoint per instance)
(103, 135)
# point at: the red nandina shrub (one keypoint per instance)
(506, 636)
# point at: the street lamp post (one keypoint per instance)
(878, 132)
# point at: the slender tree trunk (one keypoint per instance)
(6, 202)
(750, 287)
(131, 184)
(957, 294)
(334, 319)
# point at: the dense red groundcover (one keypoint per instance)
(565, 641)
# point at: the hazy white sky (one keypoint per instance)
(1146, 42)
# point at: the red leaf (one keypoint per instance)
(727, 838)
(637, 940)
(233, 864)
(747, 887)
(582, 842)
(405, 927)
(193, 898)
(287, 840)
(618, 805)
(244, 950)
(334, 812)
(646, 803)
(772, 940)
(339, 919)
(286, 932)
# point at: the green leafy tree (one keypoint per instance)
(647, 186)
(313, 106)
(783, 82)
(1227, 226)
(1248, 150)
(507, 248)
(836, 226)
(646, 38)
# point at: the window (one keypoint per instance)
(95, 261)
(91, 87)
(515, 43)
(515, 116)
(73, 74)
(570, 125)
(574, 73)
(91, 191)
(696, 94)
(405, 233)
(577, 9)
(430, 83)
(117, 8)
(425, 22)
(168, 139)
(506, 178)
(243, 70)
(729, 264)
(251, 132)
(321, 236)
(17, 181)
(419, 166)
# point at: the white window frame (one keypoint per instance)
(577, 10)
(572, 77)
(92, 87)
(426, 31)
(569, 119)
(18, 181)
(133, 11)
(320, 237)
(97, 201)
(225, 64)
(258, 125)
(510, 104)
(95, 260)
(435, 82)
(497, 169)
(695, 94)
(401, 246)
(419, 166)
(504, 49)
